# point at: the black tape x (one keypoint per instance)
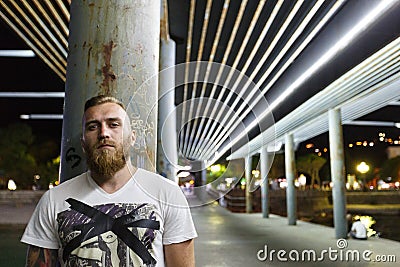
(103, 223)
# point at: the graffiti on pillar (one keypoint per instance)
(71, 157)
(144, 131)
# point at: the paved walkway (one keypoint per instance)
(16, 214)
(234, 239)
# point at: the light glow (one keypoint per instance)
(33, 94)
(183, 174)
(215, 168)
(356, 30)
(41, 116)
(363, 167)
(360, 27)
(17, 53)
(12, 186)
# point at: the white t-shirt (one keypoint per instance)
(129, 227)
(359, 229)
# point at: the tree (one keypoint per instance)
(15, 160)
(278, 166)
(391, 168)
(47, 158)
(311, 164)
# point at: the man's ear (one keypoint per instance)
(83, 145)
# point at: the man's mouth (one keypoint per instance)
(105, 146)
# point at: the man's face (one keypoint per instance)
(106, 138)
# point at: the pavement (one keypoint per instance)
(239, 239)
(15, 214)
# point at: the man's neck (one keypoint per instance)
(111, 184)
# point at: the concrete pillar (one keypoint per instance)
(167, 150)
(249, 196)
(113, 50)
(290, 170)
(265, 166)
(199, 171)
(337, 173)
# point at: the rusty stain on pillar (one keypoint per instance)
(108, 74)
(338, 173)
(113, 50)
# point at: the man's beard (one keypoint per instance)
(105, 162)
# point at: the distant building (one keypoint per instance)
(393, 151)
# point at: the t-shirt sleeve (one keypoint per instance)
(178, 224)
(41, 230)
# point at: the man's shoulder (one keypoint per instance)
(75, 178)
(155, 184)
(154, 177)
(70, 184)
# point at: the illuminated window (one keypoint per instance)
(310, 145)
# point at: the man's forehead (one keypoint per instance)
(105, 111)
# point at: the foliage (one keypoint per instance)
(212, 176)
(391, 168)
(233, 168)
(278, 166)
(21, 158)
(311, 164)
(15, 160)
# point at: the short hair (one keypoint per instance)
(101, 99)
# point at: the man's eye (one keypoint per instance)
(92, 127)
(114, 124)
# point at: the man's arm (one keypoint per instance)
(37, 256)
(180, 254)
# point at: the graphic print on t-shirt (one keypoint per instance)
(108, 235)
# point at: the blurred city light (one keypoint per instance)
(363, 167)
(256, 173)
(215, 168)
(309, 145)
(12, 185)
(183, 174)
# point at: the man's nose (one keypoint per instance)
(104, 132)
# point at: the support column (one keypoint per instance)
(113, 50)
(265, 166)
(167, 150)
(249, 196)
(337, 173)
(290, 170)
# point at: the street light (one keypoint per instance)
(11, 185)
(302, 180)
(363, 168)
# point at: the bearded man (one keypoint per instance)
(114, 214)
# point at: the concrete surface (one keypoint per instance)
(234, 239)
